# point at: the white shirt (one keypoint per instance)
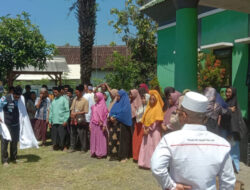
(195, 157)
(91, 100)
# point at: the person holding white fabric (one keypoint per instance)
(193, 155)
(11, 119)
(15, 124)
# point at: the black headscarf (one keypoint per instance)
(232, 101)
(233, 120)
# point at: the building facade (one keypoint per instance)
(223, 32)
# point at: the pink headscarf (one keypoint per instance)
(143, 85)
(136, 102)
(175, 98)
(99, 110)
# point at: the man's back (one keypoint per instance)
(195, 157)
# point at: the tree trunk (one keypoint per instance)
(87, 21)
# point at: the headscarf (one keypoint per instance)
(136, 101)
(141, 110)
(99, 110)
(231, 102)
(175, 98)
(108, 98)
(143, 85)
(213, 108)
(167, 92)
(237, 126)
(121, 110)
(221, 101)
(155, 113)
(114, 93)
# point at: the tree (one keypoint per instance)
(86, 16)
(139, 34)
(21, 45)
(124, 72)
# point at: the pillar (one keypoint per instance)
(186, 44)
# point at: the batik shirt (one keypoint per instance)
(42, 111)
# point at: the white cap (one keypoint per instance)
(195, 102)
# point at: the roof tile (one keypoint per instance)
(100, 54)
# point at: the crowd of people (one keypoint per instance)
(121, 125)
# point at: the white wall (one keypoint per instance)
(73, 74)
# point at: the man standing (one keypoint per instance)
(78, 109)
(193, 155)
(42, 105)
(66, 89)
(70, 96)
(89, 96)
(27, 93)
(11, 119)
(58, 118)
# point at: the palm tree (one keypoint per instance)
(86, 16)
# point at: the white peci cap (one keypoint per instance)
(195, 102)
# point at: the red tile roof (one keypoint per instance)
(101, 54)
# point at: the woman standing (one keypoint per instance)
(151, 120)
(235, 126)
(120, 133)
(113, 94)
(213, 111)
(98, 126)
(138, 132)
(135, 100)
(167, 91)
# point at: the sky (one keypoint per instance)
(55, 23)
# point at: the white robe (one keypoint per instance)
(26, 137)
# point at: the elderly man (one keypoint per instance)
(193, 155)
(42, 105)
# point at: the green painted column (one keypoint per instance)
(186, 44)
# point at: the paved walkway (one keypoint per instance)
(244, 175)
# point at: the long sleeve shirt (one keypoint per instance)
(194, 157)
(59, 111)
(42, 111)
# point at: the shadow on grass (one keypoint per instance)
(29, 158)
(48, 143)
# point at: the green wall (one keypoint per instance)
(226, 27)
(166, 57)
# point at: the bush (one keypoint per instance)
(211, 73)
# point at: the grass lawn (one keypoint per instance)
(46, 169)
